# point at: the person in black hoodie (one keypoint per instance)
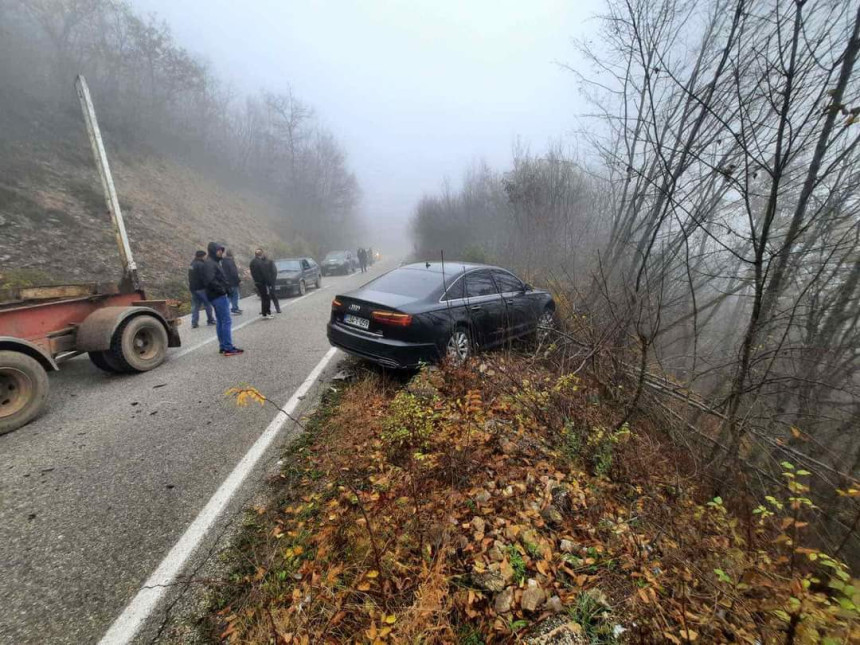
(198, 293)
(264, 273)
(231, 272)
(217, 288)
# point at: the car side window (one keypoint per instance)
(480, 283)
(455, 291)
(507, 283)
(305, 264)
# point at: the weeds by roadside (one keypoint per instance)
(480, 504)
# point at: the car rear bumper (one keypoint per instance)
(396, 354)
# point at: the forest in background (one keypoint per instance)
(705, 241)
(155, 100)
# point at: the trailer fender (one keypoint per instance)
(96, 332)
(26, 347)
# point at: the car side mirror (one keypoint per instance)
(527, 287)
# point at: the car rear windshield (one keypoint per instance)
(407, 282)
(288, 265)
(340, 255)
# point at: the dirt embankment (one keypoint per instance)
(54, 226)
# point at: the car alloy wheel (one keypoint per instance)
(302, 288)
(546, 323)
(459, 345)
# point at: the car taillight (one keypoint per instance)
(336, 304)
(391, 318)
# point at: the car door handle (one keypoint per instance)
(475, 308)
(510, 301)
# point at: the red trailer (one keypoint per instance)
(116, 325)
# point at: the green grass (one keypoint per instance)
(593, 616)
(517, 563)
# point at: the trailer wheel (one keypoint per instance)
(106, 361)
(23, 390)
(140, 344)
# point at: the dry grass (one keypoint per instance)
(425, 514)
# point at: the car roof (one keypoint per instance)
(450, 269)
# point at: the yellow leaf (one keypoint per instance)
(373, 574)
(364, 586)
(689, 634)
(391, 619)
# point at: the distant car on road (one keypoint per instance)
(420, 313)
(295, 275)
(343, 262)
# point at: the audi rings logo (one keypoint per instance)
(355, 307)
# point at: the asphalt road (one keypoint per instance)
(95, 492)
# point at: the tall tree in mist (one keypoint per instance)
(153, 95)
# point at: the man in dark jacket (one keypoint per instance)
(231, 272)
(215, 283)
(362, 259)
(264, 273)
(198, 293)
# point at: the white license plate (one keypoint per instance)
(355, 321)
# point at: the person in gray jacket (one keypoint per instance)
(198, 292)
(231, 272)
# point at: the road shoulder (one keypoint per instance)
(178, 615)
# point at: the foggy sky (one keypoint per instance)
(416, 90)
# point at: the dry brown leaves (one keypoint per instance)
(454, 508)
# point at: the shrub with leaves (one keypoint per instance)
(451, 511)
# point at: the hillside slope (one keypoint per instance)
(53, 220)
(499, 502)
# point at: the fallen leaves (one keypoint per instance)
(461, 504)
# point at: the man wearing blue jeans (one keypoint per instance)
(198, 293)
(217, 290)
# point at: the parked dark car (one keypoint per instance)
(295, 275)
(336, 262)
(420, 313)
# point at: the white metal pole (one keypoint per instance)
(111, 199)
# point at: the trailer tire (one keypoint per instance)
(139, 344)
(105, 361)
(23, 390)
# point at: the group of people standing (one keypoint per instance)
(213, 279)
(365, 258)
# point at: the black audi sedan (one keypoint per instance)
(295, 275)
(420, 313)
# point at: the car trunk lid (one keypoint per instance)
(353, 311)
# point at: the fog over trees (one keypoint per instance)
(710, 228)
(701, 230)
(152, 94)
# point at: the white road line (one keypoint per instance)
(129, 622)
(187, 350)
